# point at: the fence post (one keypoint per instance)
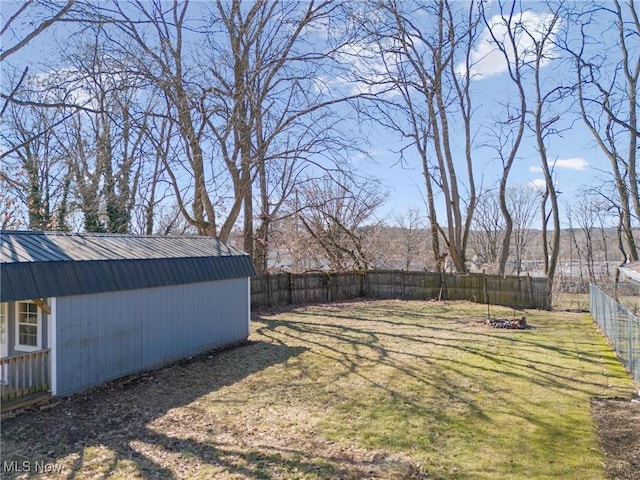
(290, 280)
(530, 290)
(306, 288)
(632, 358)
(485, 287)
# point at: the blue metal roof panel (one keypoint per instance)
(43, 264)
(18, 246)
(20, 281)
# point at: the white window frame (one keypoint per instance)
(4, 321)
(4, 318)
(28, 348)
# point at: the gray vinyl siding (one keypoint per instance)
(107, 335)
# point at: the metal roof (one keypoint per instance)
(50, 264)
(631, 270)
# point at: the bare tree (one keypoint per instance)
(105, 150)
(155, 188)
(421, 94)
(522, 203)
(270, 115)
(23, 22)
(292, 248)
(506, 30)
(547, 109)
(488, 227)
(14, 37)
(11, 217)
(583, 213)
(608, 99)
(243, 85)
(335, 215)
(488, 231)
(609, 215)
(41, 15)
(35, 173)
(149, 37)
(412, 237)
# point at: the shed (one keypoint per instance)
(77, 310)
(631, 271)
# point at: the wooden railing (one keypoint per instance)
(25, 374)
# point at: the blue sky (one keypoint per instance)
(578, 161)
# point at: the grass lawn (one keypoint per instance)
(380, 389)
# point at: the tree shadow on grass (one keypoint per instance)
(540, 372)
(118, 415)
(131, 419)
(451, 363)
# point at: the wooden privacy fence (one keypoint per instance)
(292, 289)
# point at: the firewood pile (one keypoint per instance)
(514, 323)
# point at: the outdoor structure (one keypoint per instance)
(631, 271)
(80, 309)
(292, 288)
(616, 307)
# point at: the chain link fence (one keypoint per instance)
(616, 309)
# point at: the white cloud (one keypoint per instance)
(487, 60)
(368, 73)
(369, 154)
(69, 85)
(577, 163)
(538, 183)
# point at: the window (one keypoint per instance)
(27, 327)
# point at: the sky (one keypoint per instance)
(578, 162)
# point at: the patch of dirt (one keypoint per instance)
(618, 427)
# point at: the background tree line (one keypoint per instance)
(236, 120)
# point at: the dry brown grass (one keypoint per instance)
(381, 389)
(618, 425)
